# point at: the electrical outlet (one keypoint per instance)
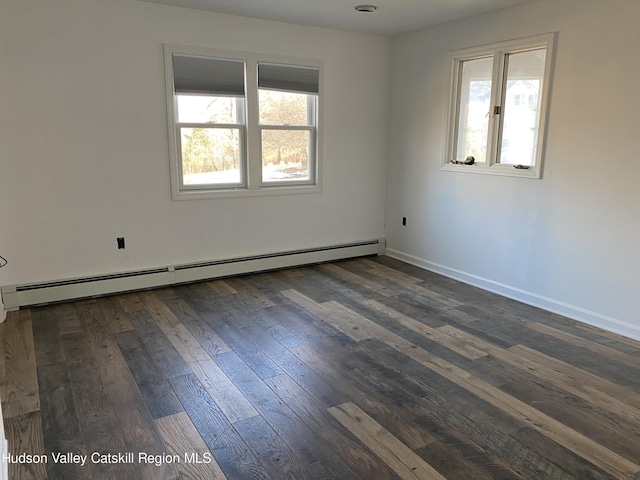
(120, 241)
(404, 221)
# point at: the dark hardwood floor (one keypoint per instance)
(362, 369)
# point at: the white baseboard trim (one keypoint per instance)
(16, 296)
(561, 308)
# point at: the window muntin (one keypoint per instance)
(499, 96)
(241, 124)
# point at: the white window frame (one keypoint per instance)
(250, 132)
(497, 51)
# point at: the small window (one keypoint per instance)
(498, 105)
(241, 124)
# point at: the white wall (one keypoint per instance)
(568, 242)
(84, 142)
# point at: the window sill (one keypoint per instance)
(500, 170)
(203, 194)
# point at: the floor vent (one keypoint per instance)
(17, 296)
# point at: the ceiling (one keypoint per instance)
(392, 17)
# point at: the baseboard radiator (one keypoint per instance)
(16, 296)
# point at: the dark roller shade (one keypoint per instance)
(210, 76)
(290, 78)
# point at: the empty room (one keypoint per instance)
(319, 239)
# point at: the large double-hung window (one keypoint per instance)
(241, 124)
(498, 105)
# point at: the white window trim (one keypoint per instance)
(498, 52)
(251, 131)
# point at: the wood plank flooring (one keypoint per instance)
(361, 369)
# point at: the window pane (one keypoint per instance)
(521, 107)
(473, 109)
(285, 155)
(208, 109)
(211, 156)
(284, 108)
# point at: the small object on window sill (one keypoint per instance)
(521, 167)
(467, 161)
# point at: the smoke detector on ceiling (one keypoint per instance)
(366, 8)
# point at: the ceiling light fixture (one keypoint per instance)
(366, 8)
